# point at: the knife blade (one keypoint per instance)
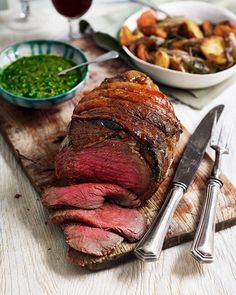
(150, 246)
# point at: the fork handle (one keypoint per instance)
(203, 244)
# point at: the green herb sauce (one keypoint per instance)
(37, 76)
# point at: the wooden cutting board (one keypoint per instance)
(35, 136)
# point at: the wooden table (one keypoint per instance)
(33, 254)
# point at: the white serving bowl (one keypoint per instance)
(195, 10)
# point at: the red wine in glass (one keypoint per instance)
(72, 9)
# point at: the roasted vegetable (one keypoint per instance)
(161, 58)
(170, 26)
(190, 29)
(154, 31)
(207, 28)
(147, 19)
(230, 48)
(181, 44)
(188, 45)
(224, 28)
(142, 52)
(185, 62)
(127, 37)
(177, 64)
(171, 22)
(213, 49)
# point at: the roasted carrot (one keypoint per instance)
(223, 29)
(147, 18)
(142, 52)
(207, 28)
(155, 31)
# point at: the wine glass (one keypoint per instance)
(72, 9)
(24, 19)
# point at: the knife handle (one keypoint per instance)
(203, 244)
(150, 246)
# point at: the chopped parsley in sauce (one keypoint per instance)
(37, 76)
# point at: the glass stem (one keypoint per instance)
(71, 35)
(25, 9)
(74, 28)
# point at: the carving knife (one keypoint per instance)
(150, 246)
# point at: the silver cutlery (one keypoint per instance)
(203, 245)
(150, 246)
(101, 58)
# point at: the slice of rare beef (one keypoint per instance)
(129, 223)
(87, 260)
(88, 196)
(112, 161)
(90, 240)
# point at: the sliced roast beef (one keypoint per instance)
(90, 240)
(112, 161)
(120, 144)
(88, 196)
(82, 259)
(129, 223)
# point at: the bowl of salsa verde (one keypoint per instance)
(29, 73)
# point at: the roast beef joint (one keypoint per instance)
(119, 147)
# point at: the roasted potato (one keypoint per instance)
(213, 49)
(161, 58)
(190, 29)
(127, 37)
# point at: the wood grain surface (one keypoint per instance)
(35, 136)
